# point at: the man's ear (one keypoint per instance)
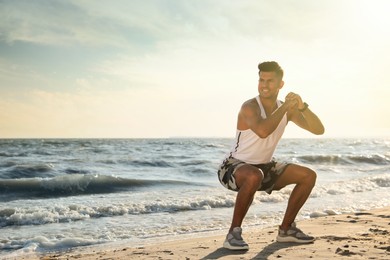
(281, 84)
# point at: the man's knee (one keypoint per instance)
(310, 177)
(250, 177)
(255, 176)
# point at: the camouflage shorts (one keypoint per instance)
(271, 172)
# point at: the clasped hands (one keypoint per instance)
(294, 101)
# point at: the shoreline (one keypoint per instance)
(363, 235)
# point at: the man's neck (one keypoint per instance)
(268, 101)
(269, 104)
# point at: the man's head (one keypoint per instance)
(270, 79)
(271, 66)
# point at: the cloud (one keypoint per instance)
(62, 23)
(140, 23)
(123, 24)
(143, 24)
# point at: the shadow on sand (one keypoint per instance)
(263, 254)
(221, 252)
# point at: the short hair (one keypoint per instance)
(271, 66)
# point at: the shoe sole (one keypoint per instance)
(236, 248)
(294, 240)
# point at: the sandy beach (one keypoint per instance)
(363, 235)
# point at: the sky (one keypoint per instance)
(169, 68)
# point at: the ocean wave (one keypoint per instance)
(11, 154)
(353, 186)
(73, 184)
(376, 159)
(7, 164)
(151, 163)
(42, 242)
(194, 162)
(381, 181)
(15, 171)
(75, 212)
(76, 171)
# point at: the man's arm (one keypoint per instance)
(249, 117)
(305, 119)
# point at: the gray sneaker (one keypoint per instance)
(234, 240)
(294, 235)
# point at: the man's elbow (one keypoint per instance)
(319, 131)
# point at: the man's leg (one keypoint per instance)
(305, 179)
(248, 180)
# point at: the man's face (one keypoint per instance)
(269, 84)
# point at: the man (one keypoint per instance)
(250, 167)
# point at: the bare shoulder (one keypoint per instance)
(250, 108)
(249, 114)
(249, 104)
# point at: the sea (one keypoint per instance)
(58, 194)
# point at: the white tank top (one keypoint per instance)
(252, 149)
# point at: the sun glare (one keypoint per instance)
(372, 16)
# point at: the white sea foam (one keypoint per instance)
(22, 249)
(68, 182)
(39, 215)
